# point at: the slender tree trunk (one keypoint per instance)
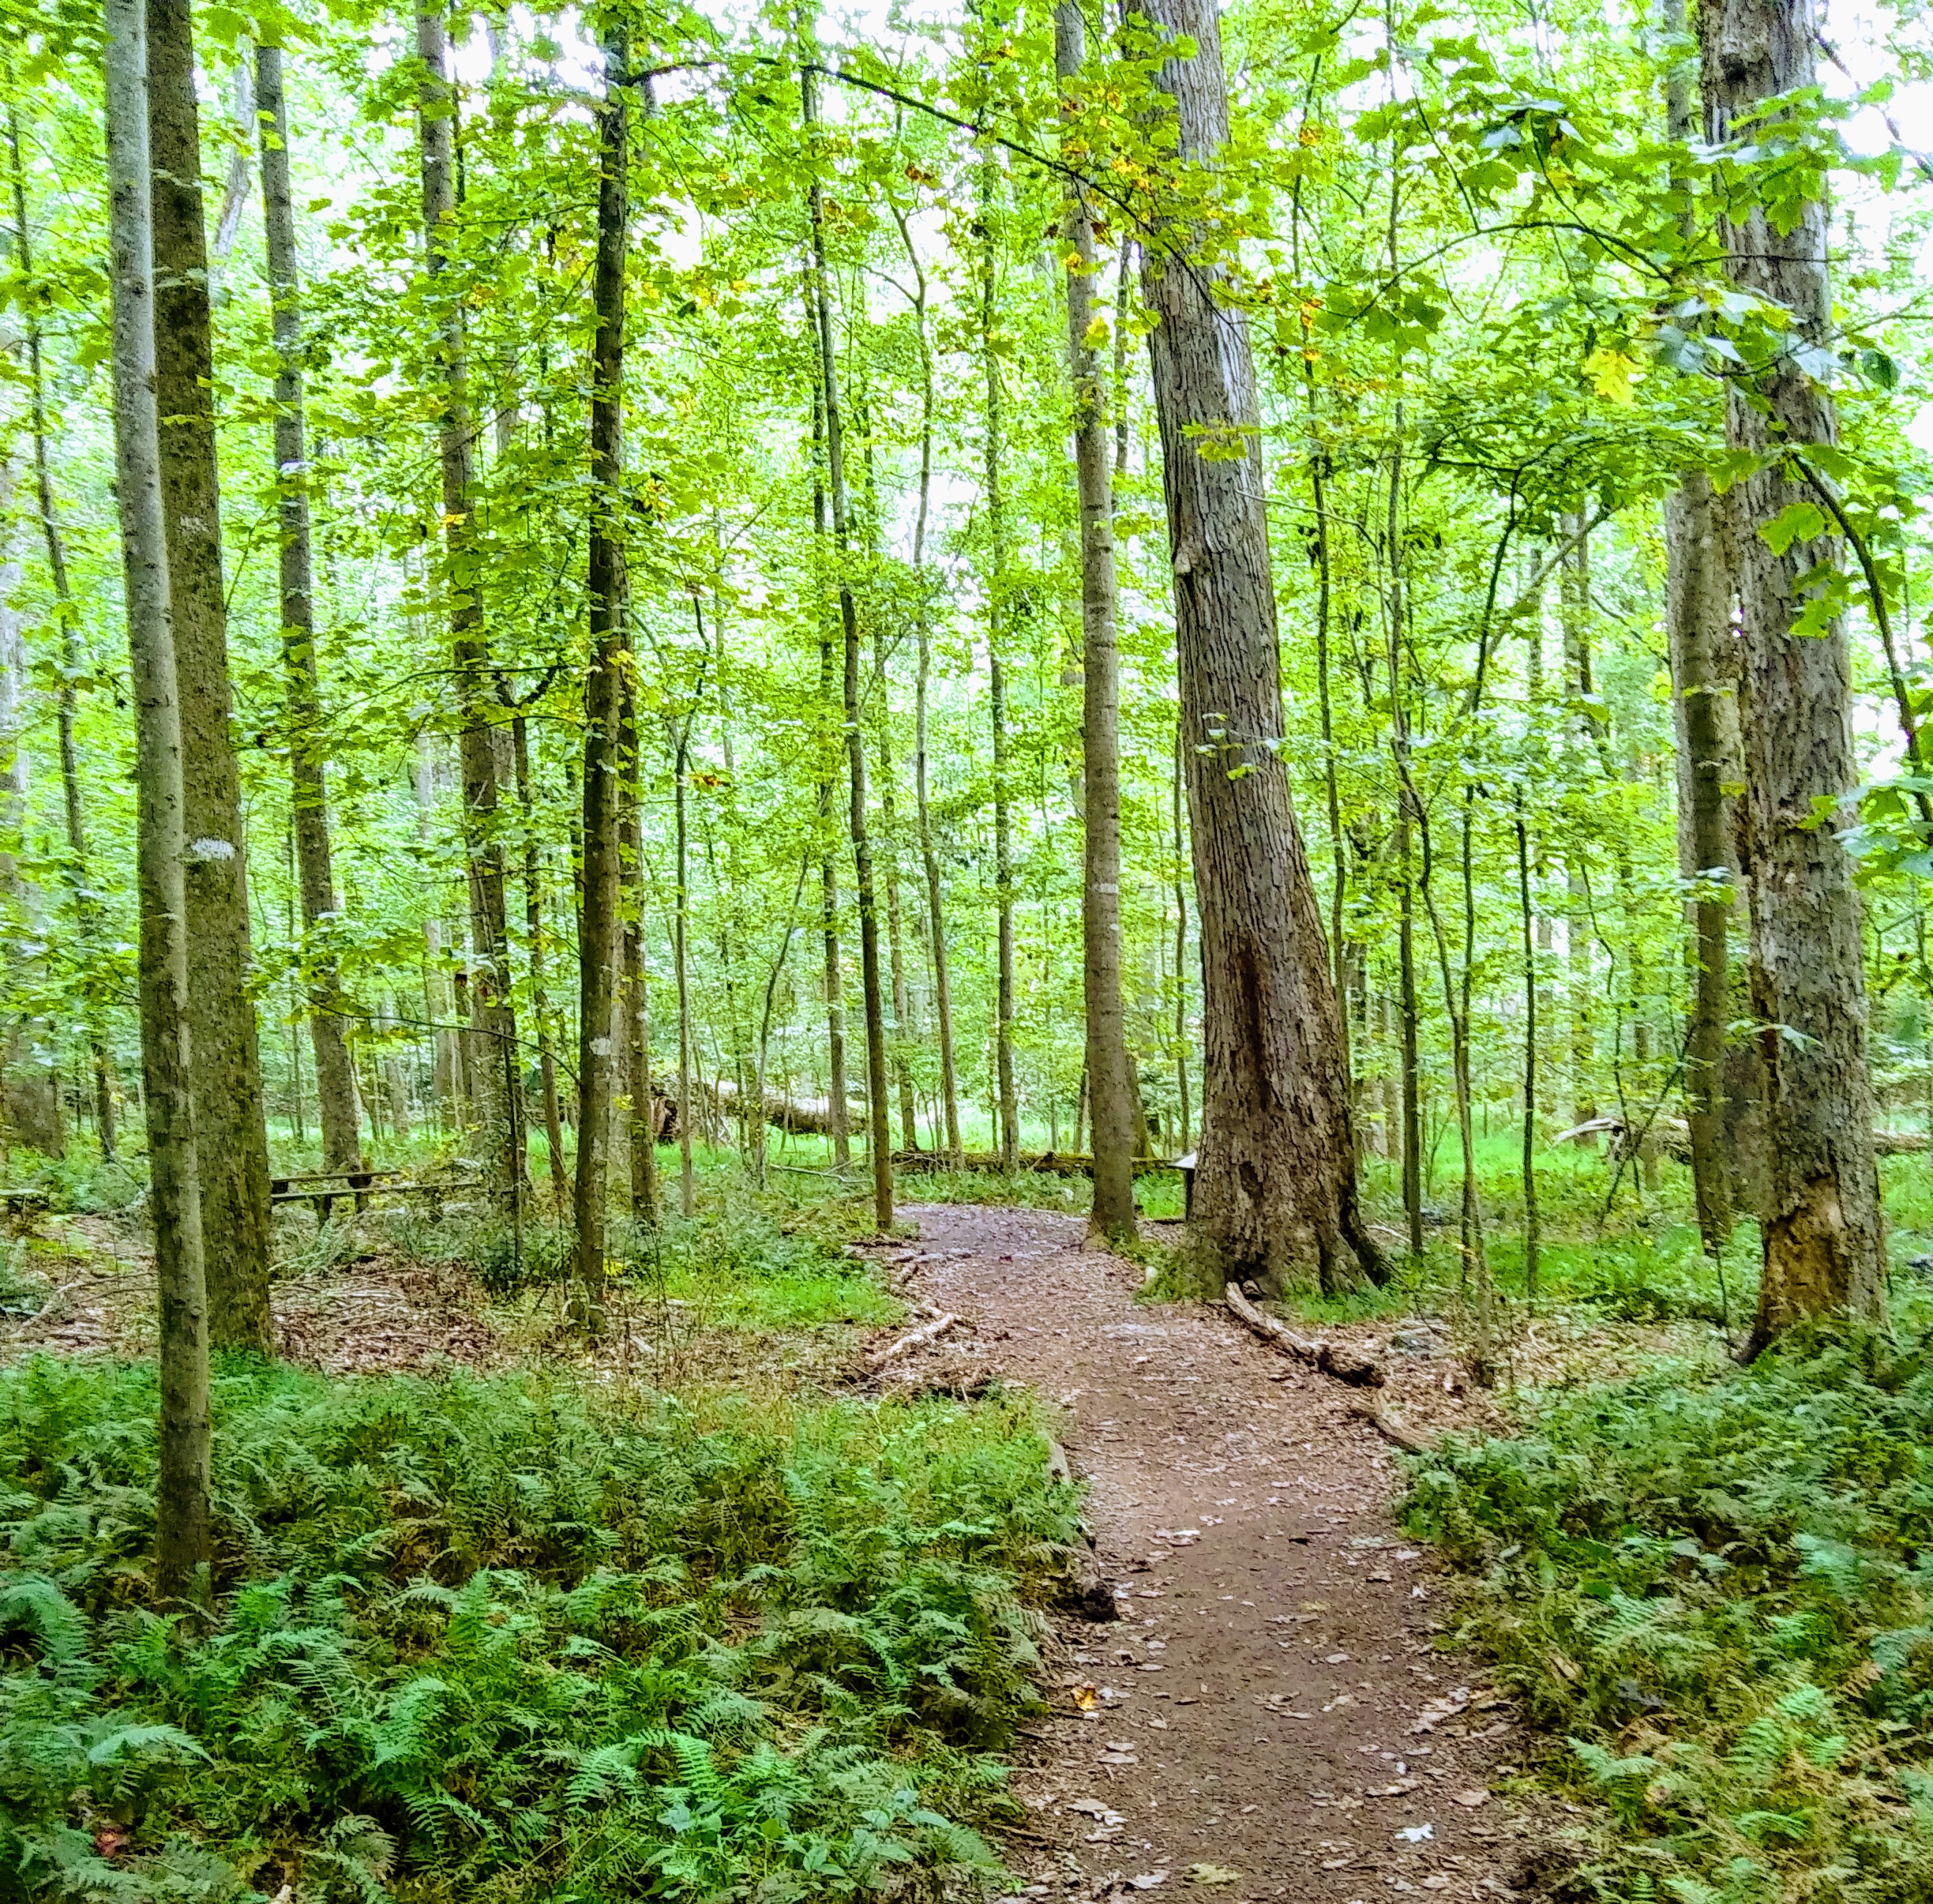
(183, 1546)
(902, 1028)
(1113, 1206)
(309, 792)
(1823, 1227)
(1698, 593)
(496, 1092)
(535, 930)
(634, 1007)
(878, 1114)
(828, 866)
(1277, 1183)
(87, 908)
(1532, 1237)
(597, 931)
(930, 858)
(1178, 782)
(1006, 1097)
(680, 737)
(233, 1140)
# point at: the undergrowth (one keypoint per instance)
(512, 1638)
(1720, 1588)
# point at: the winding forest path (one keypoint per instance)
(1272, 1718)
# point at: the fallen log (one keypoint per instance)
(914, 1339)
(1341, 1362)
(1046, 1163)
(801, 1117)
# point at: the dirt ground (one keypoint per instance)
(1271, 1717)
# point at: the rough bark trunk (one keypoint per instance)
(183, 1550)
(597, 931)
(642, 1127)
(1113, 1208)
(308, 801)
(1276, 1188)
(495, 1097)
(679, 735)
(876, 1101)
(1823, 1227)
(233, 1141)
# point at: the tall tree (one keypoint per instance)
(307, 740)
(1277, 1181)
(496, 1093)
(175, 1193)
(1109, 1087)
(603, 796)
(233, 1140)
(1822, 1227)
(879, 1126)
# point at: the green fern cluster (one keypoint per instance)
(511, 1639)
(1721, 1586)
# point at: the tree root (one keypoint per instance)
(1389, 1428)
(1343, 1364)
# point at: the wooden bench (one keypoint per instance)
(321, 1189)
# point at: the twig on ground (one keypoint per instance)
(914, 1339)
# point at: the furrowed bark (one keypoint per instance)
(1276, 1188)
(1822, 1225)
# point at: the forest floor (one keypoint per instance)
(1271, 1716)
(1275, 1713)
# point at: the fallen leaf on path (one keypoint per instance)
(1094, 1807)
(1212, 1874)
(1086, 1697)
(1437, 1880)
(1417, 1835)
(1148, 1880)
(1473, 1798)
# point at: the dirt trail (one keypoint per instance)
(1270, 1704)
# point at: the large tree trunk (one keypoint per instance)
(327, 1009)
(879, 1142)
(173, 1197)
(1108, 1090)
(496, 1093)
(597, 931)
(1276, 1188)
(1822, 1225)
(233, 1141)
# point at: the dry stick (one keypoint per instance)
(1345, 1365)
(1389, 1428)
(914, 1339)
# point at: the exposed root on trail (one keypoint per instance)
(1345, 1365)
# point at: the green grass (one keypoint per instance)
(514, 1639)
(1718, 1587)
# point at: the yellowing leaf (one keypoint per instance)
(1613, 374)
